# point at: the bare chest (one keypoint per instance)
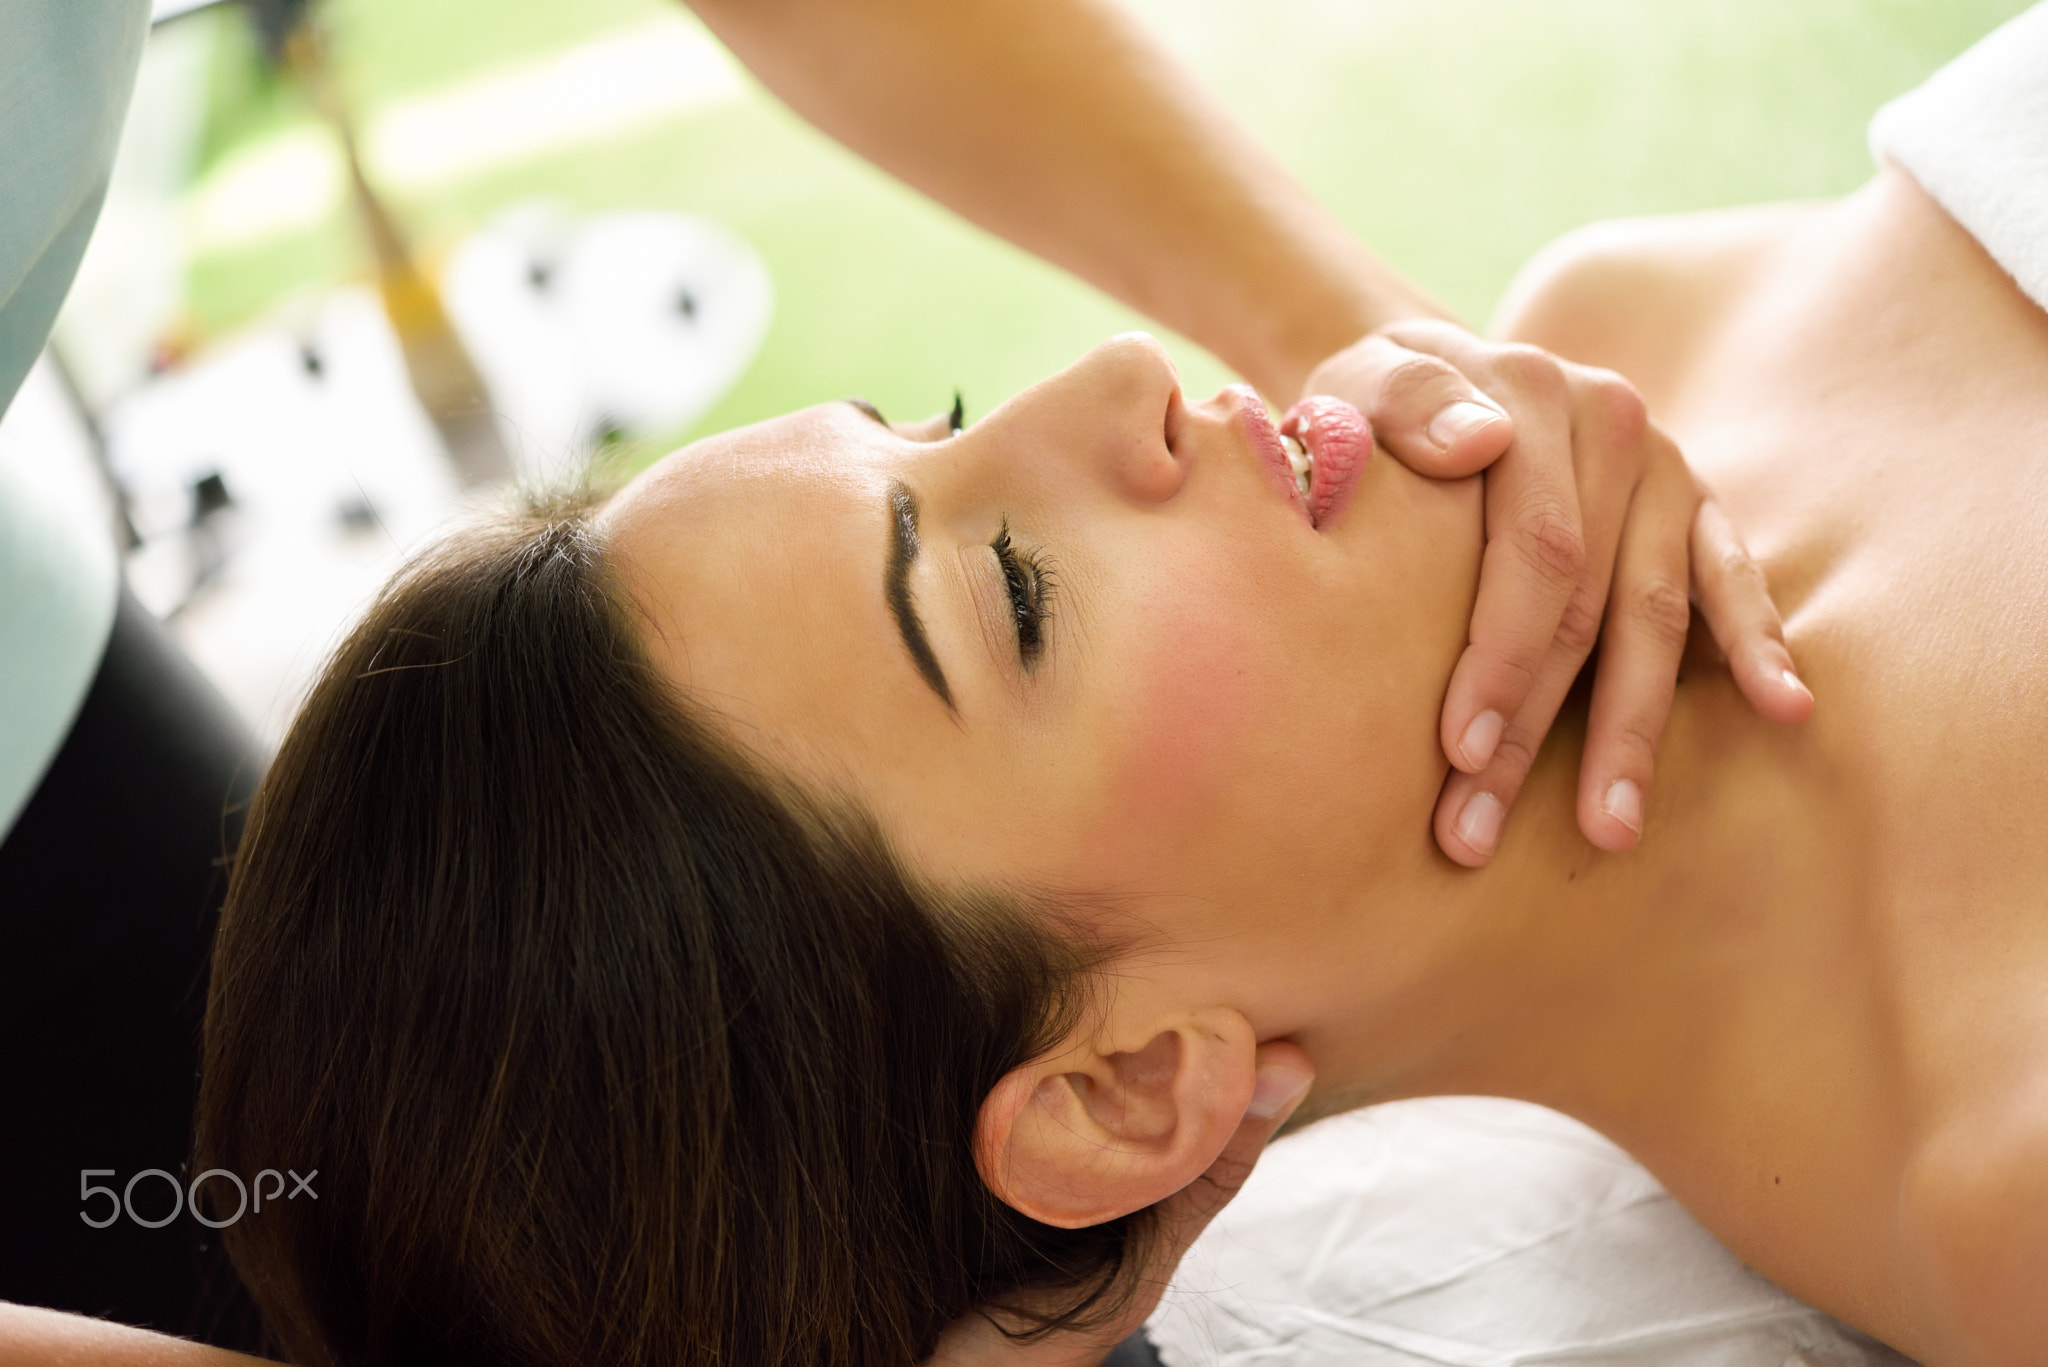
(1873, 412)
(1886, 454)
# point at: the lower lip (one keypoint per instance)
(1338, 440)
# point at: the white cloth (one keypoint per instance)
(1975, 136)
(1475, 1232)
(66, 70)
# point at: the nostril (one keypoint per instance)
(1153, 471)
(1143, 427)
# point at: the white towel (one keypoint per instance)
(1975, 135)
(1475, 1232)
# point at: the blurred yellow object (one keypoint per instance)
(439, 367)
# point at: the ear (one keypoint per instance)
(1105, 1127)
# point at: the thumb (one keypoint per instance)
(1284, 1076)
(1421, 407)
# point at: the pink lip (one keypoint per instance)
(1265, 439)
(1339, 441)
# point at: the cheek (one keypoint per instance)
(1194, 709)
(1254, 756)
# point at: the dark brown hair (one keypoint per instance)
(608, 1045)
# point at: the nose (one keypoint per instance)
(1127, 394)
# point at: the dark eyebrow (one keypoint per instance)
(903, 547)
(863, 406)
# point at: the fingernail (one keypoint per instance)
(1794, 682)
(1624, 802)
(1456, 421)
(1482, 734)
(1479, 823)
(1276, 1086)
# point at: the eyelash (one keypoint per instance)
(1030, 583)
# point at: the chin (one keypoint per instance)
(1417, 543)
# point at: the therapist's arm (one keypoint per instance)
(32, 1337)
(1061, 126)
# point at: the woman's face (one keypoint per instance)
(1090, 646)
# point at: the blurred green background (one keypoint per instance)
(1455, 136)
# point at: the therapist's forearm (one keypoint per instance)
(33, 1337)
(1060, 125)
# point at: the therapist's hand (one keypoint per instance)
(1284, 1075)
(1596, 530)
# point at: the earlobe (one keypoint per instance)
(1095, 1131)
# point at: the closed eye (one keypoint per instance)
(1028, 581)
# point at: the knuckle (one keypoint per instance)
(1554, 542)
(1519, 673)
(1614, 404)
(1638, 740)
(1738, 568)
(1660, 610)
(1530, 368)
(1511, 670)
(1579, 628)
(1511, 760)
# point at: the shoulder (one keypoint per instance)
(1973, 1218)
(1643, 295)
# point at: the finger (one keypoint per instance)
(1422, 408)
(1642, 642)
(1284, 1075)
(1472, 808)
(1536, 554)
(1735, 600)
(1611, 448)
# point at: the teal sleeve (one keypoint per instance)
(67, 68)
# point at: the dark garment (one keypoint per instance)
(1135, 1351)
(110, 885)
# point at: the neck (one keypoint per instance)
(1636, 992)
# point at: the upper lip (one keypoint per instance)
(1265, 441)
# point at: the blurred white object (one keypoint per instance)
(628, 322)
(1475, 1232)
(332, 471)
(279, 480)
